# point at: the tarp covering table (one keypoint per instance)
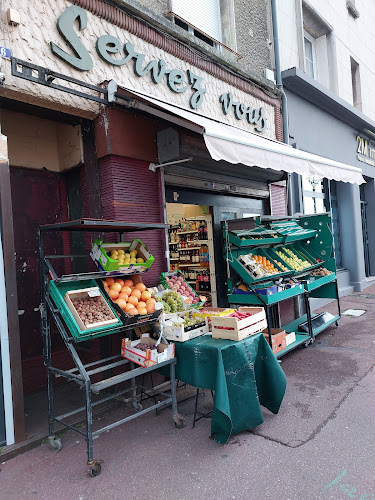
(244, 375)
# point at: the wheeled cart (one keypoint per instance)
(86, 375)
(307, 237)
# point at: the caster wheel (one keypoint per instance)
(312, 341)
(138, 407)
(306, 344)
(55, 444)
(179, 421)
(337, 323)
(95, 470)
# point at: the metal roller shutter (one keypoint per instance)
(204, 16)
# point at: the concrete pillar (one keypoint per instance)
(351, 233)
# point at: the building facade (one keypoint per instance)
(85, 92)
(327, 57)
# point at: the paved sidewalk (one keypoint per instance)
(320, 446)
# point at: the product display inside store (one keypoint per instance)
(170, 326)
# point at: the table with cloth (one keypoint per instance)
(243, 375)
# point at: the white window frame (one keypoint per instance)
(314, 61)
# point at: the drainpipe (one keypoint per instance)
(279, 82)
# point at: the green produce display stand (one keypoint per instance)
(243, 376)
(309, 237)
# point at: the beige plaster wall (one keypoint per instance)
(38, 143)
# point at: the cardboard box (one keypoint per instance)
(147, 358)
(232, 328)
(278, 341)
(182, 333)
(100, 255)
(290, 338)
(83, 293)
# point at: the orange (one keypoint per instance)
(120, 281)
(128, 307)
(146, 295)
(136, 293)
(150, 301)
(110, 281)
(132, 311)
(124, 296)
(133, 300)
(150, 308)
(113, 294)
(126, 289)
(141, 304)
(140, 287)
(128, 283)
(116, 286)
(121, 303)
(142, 310)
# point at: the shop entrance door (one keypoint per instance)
(365, 231)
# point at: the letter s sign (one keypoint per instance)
(65, 24)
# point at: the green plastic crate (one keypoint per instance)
(58, 291)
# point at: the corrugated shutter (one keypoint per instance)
(204, 16)
(278, 200)
(132, 193)
(321, 54)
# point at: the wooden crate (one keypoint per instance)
(85, 292)
(224, 327)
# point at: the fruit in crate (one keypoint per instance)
(125, 258)
(133, 299)
(189, 322)
(292, 260)
(172, 302)
(321, 271)
(281, 266)
(92, 310)
(265, 263)
(178, 284)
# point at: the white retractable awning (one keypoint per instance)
(234, 145)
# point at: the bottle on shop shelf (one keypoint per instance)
(205, 232)
(204, 257)
(206, 283)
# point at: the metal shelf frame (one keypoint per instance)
(82, 373)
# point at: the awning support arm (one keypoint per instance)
(153, 166)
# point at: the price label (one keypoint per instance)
(94, 293)
(158, 306)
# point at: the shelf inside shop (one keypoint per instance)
(187, 232)
(192, 265)
(301, 338)
(174, 258)
(188, 248)
(174, 243)
(294, 325)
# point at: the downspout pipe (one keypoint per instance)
(279, 82)
(284, 107)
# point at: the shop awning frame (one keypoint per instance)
(237, 146)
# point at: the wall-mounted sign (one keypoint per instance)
(5, 53)
(122, 53)
(365, 152)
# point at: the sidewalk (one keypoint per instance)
(321, 445)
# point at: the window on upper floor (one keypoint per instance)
(319, 48)
(356, 84)
(200, 18)
(310, 62)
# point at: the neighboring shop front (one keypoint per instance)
(323, 124)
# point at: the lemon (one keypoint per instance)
(133, 253)
(127, 255)
(121, 252)
(140, 260)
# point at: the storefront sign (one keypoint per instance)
(178, 81)
(365, 152)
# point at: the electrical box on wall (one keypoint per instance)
(14, 17)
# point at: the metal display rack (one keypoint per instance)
(82, 374)
(318, 239)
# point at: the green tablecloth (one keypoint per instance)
(244, 375)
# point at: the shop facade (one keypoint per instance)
(71, 155)
(321, 123)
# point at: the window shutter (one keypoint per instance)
(321, 55)
(204, 16)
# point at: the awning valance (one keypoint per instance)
(235, 145)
